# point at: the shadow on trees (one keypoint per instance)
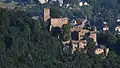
(56, 31)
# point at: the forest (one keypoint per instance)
(26, 43)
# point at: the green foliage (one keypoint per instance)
(65, 33)
(56, 31)
(74, 3)
(112, 39)
(87, 11)
(117, 36)
(54, 12)
(24, 43)
(90, 43)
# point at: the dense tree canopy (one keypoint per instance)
(26, 43)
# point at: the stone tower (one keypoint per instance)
(46, 14)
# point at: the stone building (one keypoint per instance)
(117, 29)
(93, 35)
(78, 30)
(102, 50)
(46, 14)
(54, 22)
(58, 22)
(78, 45)
(82, 33)
(78, 33)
